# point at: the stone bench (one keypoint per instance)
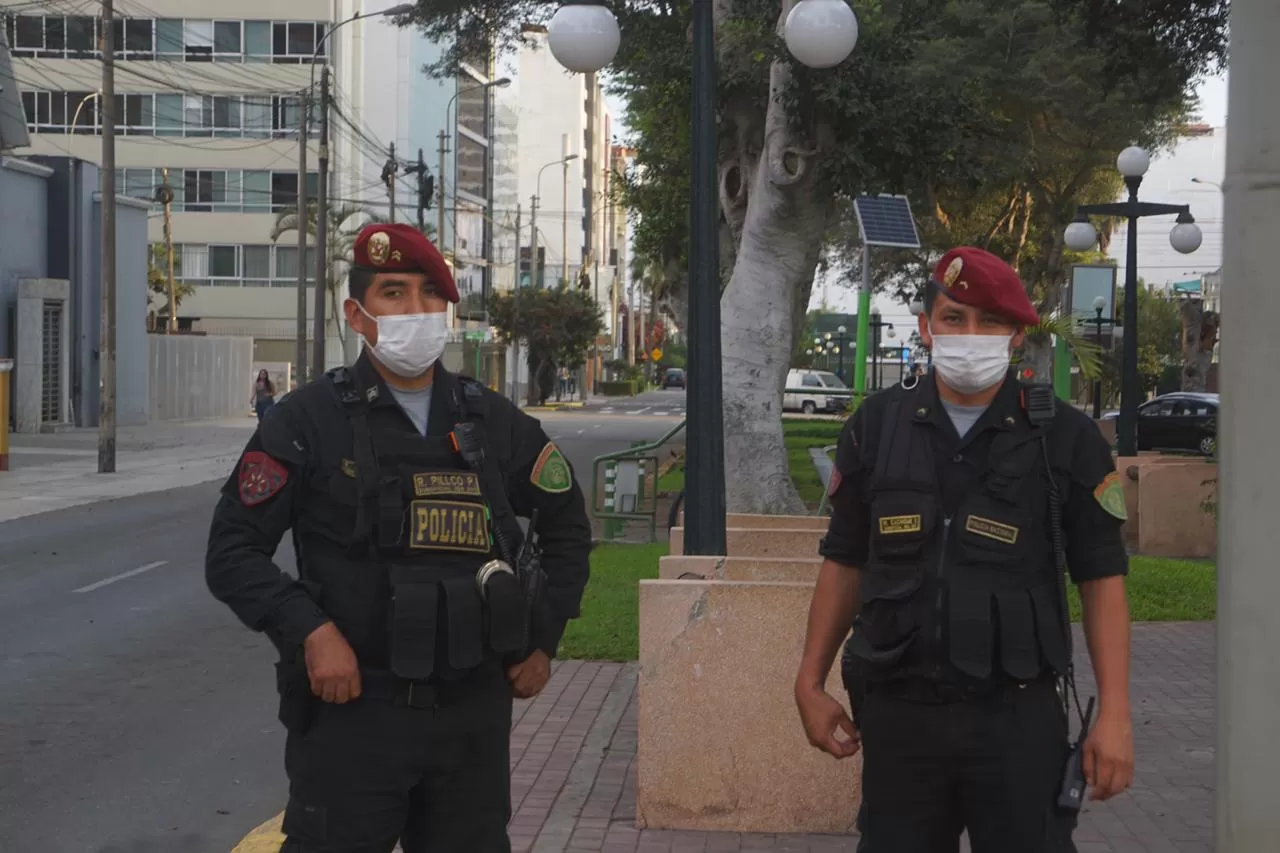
(1163, 496)
(804, 570)
(720, 745)
(762, 542)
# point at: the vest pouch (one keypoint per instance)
(414, 607)
(464, 612)
(504, 613)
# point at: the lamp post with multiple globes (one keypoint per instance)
(1081, 236)
(584, 37)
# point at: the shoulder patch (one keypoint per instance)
(551, 471)
(1110, 496)
(261, 477)
(834, 485)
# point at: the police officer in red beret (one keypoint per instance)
(407, 628)
(958, 501)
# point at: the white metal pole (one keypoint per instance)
(1248, 671)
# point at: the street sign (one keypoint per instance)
(885, 220)
(656, 354)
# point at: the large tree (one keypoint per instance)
(966, 105)
(558, 326)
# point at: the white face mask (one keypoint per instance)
(408, 344)
(971, 363)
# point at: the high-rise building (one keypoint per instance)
(213, 105)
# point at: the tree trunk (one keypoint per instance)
(1199, 336)
(782, 231)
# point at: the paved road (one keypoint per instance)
(138, 714)
(650, 404)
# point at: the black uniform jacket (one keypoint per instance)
(1079, 456)
(309, 430)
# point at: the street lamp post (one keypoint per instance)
(841, 332)
(876, 325)
(584, 37)
(1099, 303)
(533, 222)
(1081, 236)
(917, 308)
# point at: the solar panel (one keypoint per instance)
(885, 220)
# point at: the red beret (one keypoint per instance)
(398, 247)
(974, 276)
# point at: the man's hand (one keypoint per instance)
(530, 675)
(1108, 757)
(823, 717)
(331, 665)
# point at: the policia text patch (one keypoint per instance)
(449, 526)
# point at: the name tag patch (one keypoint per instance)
(1005, 533)
(900, 524)
(435, 483)
(449, 526)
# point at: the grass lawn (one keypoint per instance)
(609, 627)
(1159, 591)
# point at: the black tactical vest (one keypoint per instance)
(413, 525)
(978, 589)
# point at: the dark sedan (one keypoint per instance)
(1182, 421)
(673, 378)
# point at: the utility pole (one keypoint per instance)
(389, 176)
(426, 186)
(535, 278)
(564, 214)
(442, 150)
(515, 341)
(300, 351)
(168, 246)
(322, 227)
(635, 324)
(107, 346)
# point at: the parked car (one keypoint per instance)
(673, 378)
(805, 392)
(1183, 420)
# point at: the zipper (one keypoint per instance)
(937, 599)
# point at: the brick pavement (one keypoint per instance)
(573, 753)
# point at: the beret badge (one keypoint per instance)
(953, 273)
(379, 248)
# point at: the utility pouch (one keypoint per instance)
(294, 686)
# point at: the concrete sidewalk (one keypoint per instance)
(52, 471)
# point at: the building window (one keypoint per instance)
(257, 266)
(169, 40)
(257, 192)
(224, 262)
(197, 40)
(226, 41)
(287, 116)
(226, 116)
(284, 191)
(135, 114)
(28, 37)
(203, 189)
(55, 38)
(292, 43)
(137, 183)
(472, 165)
(82, 37)
(257, 41)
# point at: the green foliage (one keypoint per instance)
(1159, 341)
(558, 327)
(158, 279)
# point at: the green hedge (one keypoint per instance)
(626, 388)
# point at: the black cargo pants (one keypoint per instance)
(375, 771)
(992, 765)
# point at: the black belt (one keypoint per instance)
(932, 692)
(386, 686)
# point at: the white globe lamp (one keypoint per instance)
(1133, 162)
(1080, 235)
(821, 33)
(1185, 236)
(916, 307)
(583, 37)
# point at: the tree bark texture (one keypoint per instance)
(1199, 336)
(771, 197)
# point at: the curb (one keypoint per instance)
(552, 407)
(266, 838)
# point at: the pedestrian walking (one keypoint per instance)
(959, 499)
(264, 393)
(419, 608)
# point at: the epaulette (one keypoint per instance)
(344, 384)
(472, 388)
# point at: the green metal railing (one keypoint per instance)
(646, 456)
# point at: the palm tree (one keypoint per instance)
(1037, 351)
(344, 223)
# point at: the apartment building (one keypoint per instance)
(565, 114)
(213, 105)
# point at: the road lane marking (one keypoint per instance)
(642, 411)
(148, 567)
